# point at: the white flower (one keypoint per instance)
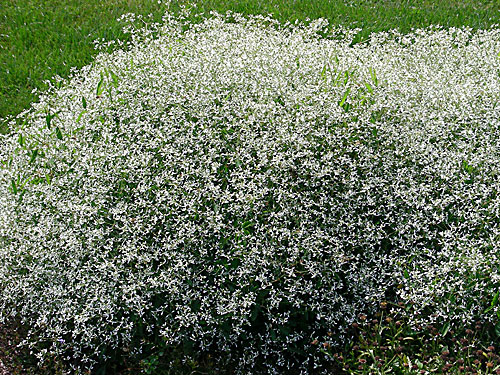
(246, 186)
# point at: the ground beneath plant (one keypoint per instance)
(10, 354)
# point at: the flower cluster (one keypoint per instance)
(242, 186)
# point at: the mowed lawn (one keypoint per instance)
(43, 38)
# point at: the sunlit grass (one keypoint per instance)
(42, 38)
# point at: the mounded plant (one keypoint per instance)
(244, 187)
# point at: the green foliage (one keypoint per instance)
(386, 343)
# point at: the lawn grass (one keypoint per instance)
(43, 38)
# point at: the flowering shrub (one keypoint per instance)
(245, 187)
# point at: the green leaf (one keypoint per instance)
(406, 274)
(497, 329)
(494, 302)
(188, 346)
(344, 98)
(114, 78)
(323, 71)
(195, 305)
(48, 119)
(235, 263)
(419, 364)
(247, 224)
(445, 329)
(80, 116)
(374, 76)
(326, 353)
(21, 139)
(273, 335)
(346, 75)
(34, 154)
(100, 86)
(369, 87)
(255, 313)
(58, 133)
(14, 187)
(84, 102)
